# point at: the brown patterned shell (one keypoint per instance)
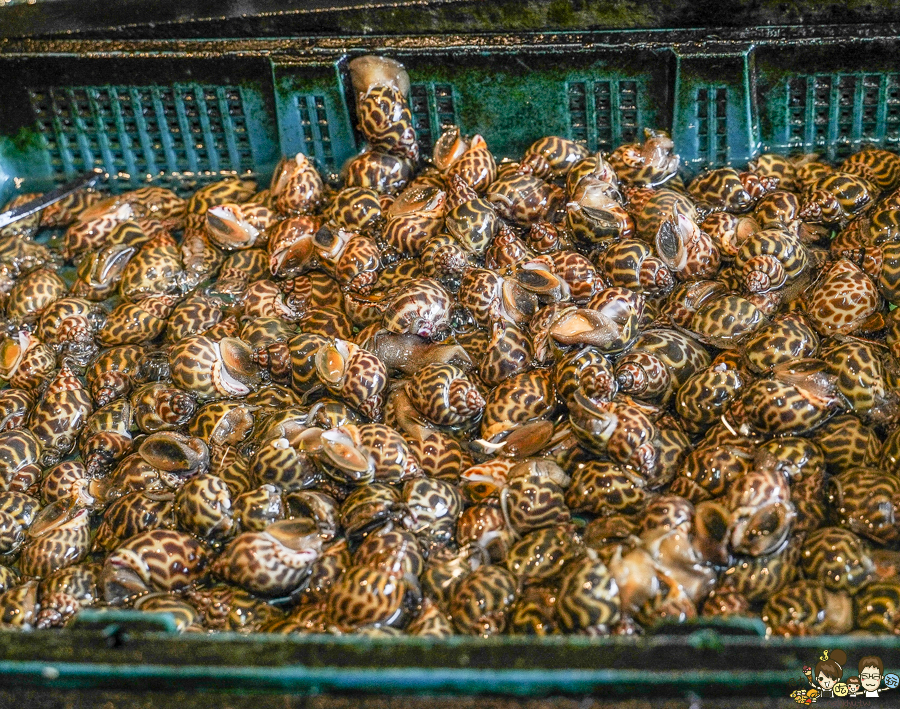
(432, 622)
(24, 228)
(632, 264)
(595, 215)
(296, 186)
(443, 571)
(137, 323)
(225, 422)
(482, 601)
(160, 406)
(33, 293)
(838, 559)
(158, 559)
(435, 505)
(203, 507)
(521, 399)
(889, 459)
(726, 321)
(728, 231)
(444, 394)
(725, 188)
(659, 207)
(58, 537)
(354, 374)
(777, 208)
(363, 596)
(369, 507)
(20, 460)
(770, 259)
(586, 370)
(213, 369)
(100, 271)
(234, 226)
(703, 398)
(110, 374)
(389, 452)
(226, 607)
(386, 121)
(579, 274)
(356, 209)
(439, 455)
(790, 404)
(836, 198)
(862, 375)
(541, 555)
(475, 166)
(59, 415)
(621, 431)
(154, 270)
(184, 614)
(659, 363)
(647, 164)
(491, 298)
(132, 514)
(522, 198)
(535, 611)
(71, 322)
(554, 156)
(774, 166)
(106, 437)
(257, 508)
(17, 512)
(324, 572)
(787, 338)
(18, 256)
(473, 223)
(757, 578)
(603, 488)
(878, 608)
(880, 166)
(18, 605)
(283, 461)
(485, 479)
(588, 597)
(272, 562)
(847, 442)
(383, 173)
(193, 316)
(687, 298)
(229, 190)
(807, 608)
(709, 470)
(863, 501)
(65, 592)
(394, 551)
(508, 352)
(421, 307)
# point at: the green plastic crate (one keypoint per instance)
(181, 113)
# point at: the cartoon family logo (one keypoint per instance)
(827, 681)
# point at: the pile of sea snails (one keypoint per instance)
(455, 394)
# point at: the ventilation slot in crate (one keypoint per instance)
(834, 114)
(433, 109)
(173, 135)
(603, 114)
(314, 125)
(712, 125)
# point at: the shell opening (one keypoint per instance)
(370, 71)
(331, 364)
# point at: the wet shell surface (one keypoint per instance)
(449, 393)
